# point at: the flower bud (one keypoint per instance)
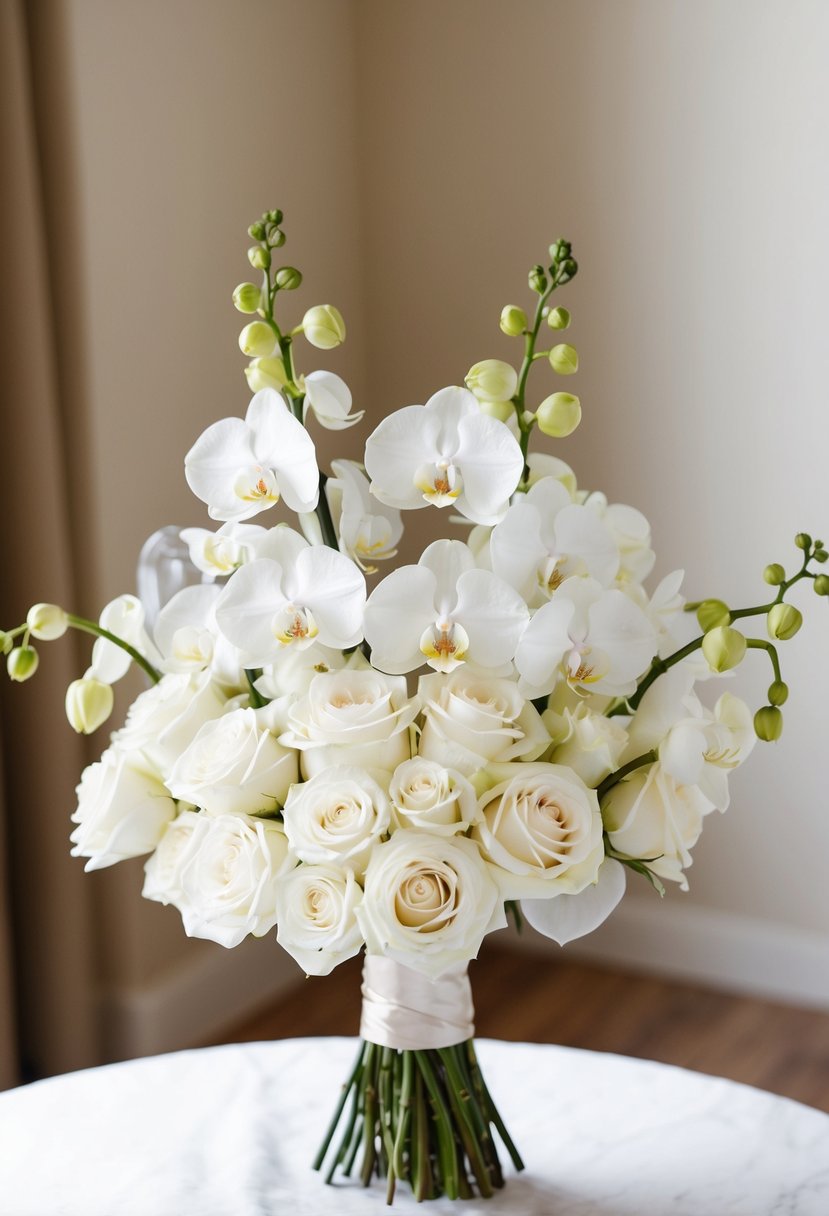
(558, 318)
(288, 278)
(723, 648)
(492, 380)
(803, 540)
(6, 642)
(821, 584)
(247, 297)
(47, 622)
(778, 693)
(783, 621)
(273, 217)
(324, 326)
(570, 268)
(513, 320)
(257, 340)
(88, 705)
(537, 280)
(259, 258)
(266, 373)
(257, 231)
(712, 613)
(560, 250)
(559, 415)
(22, 663)
(768, 723)
(276, 238)
(502, 410)
(564, 359)
(774, 574)
(820, 555)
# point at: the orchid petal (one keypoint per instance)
(398, 611)
(580, 533)
(246, 608)
(330, 398)
(543, 645)
(493, 614)
(491, 463)
(396, 449)
(212, 465)
(568, 917)
(447, 560)
(282, 443)
(517, 548)
(333, 588)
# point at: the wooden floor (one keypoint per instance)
(539, 999)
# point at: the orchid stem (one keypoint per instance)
(85, 626)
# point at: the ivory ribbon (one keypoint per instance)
(407, 1010)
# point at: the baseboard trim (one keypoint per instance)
(717, 948)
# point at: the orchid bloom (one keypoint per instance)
(597, 640)
(220, 553)
(291, 595)
(189, 640)
(330, 399)
(444, 453)
(240, 468)
(444, 612)
(124, 617)
(545, 538)
(632, 533)
(368, 530)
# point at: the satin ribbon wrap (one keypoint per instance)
(408, 1011)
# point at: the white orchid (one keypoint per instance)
(546, 538)
(221, 552)
(632, 533)
(189, 640)
(595, 639)
(329, 397)
(125, 618)
(443, 611)
(368, 530)
(240, 468)
(293, 595)
(444, 453)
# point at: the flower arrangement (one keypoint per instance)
(505, 728)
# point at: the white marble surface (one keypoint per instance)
(230, 1131)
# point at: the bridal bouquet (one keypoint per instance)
(504, 728)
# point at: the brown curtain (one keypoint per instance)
(46, 946)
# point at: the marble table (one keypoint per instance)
(230, 1131)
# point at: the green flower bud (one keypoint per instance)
(564, 359)
(558, 318)
(559, 415)
(6, 642)
(537, 280)
(266, 373)
(712, 613)
(778, 693)
(774, 574)
(803, 540)
(492, 380)
(783, 621)
(273, 217)
(324, 326)
(502, 410)
(247, 297)
(723, 648)
(47, 622)
(768, 723)
(257, 231)
(257, 340)
(259, 258)
(276, 238)
(821, 584)
(288, 278)
(560, 250)
(88, 705)
(820, 555)
(513, 320)
(570, 268)
(22, 663)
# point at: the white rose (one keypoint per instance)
(122, 810)
(426, 795)
(162, 721)
(336, 817)
(649, 817)
(162, 871)
(543, 830)
(470, 720)
(429, 901)
(357, 718)
(228, 878)
(315, 908)
(291, 674)
(236, 765)
(591, 746)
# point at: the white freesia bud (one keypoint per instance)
(266, 373)
(431, 798)
(542, 829)
(89, 703)
(592, 745)
(330, 398)
(336, 818)
(123, 809)
(257, 340)
(492, 380)
(324, 326)
(47, 622)
(315, 907)
(429, 901)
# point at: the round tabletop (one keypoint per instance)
(231, 1131)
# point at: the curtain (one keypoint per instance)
(47, 1019)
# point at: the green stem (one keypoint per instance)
(85, 626)
(771, 650)
(530, 339)
(332, 1127)
(614, 778)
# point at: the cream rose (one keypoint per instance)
(429, 901)
(542, 830)
(470, 720)
(164, 720)
(591, 746)
(228, 878)
(162, 871)
(315, 907)
(435, 799)
(123, 809)
(336, 817)
(358, 718)
(235, 765)
(649, 816)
